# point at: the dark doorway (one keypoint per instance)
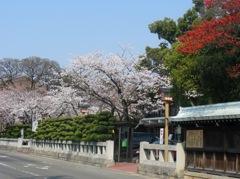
(123, 142)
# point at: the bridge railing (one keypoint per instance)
(8, 142)
(100, 149)
(152, 159)
(96, 153)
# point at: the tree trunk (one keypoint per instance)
(113, 108)
(125, 110)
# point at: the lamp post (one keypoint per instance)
(165, 93)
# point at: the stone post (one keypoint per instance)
(142, 153)
(180, 162)
(110, 149)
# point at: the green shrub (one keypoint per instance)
(81, 128)
(14, 131)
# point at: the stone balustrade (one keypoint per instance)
(94, 153)
(152, 160)
(8, 144)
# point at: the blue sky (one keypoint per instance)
(55, 29)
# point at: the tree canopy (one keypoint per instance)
(36, 69)
(204, 56)
(216, 43)
(116, 81)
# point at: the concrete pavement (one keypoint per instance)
(18, 165)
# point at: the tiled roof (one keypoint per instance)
(229, 110)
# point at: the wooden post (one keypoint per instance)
(237, 158)
(166, 129)
(214, 161)
(225, 162)
(119, 143)
(204, 160)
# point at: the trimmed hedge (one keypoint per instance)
(14, 131)
(81, 128)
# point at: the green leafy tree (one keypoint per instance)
(215, 83)
(165, 29)
(209, 12)
(168, 31)
(155, 57)
(185, 23)
(208, 56)
(184, 75)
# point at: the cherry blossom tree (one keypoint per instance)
(21, 106)
(65, 101)
(115, 81)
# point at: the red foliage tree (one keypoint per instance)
(222, 31)
(211, 3)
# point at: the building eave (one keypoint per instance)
(221, 111)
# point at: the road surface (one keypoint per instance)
(25, 166)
